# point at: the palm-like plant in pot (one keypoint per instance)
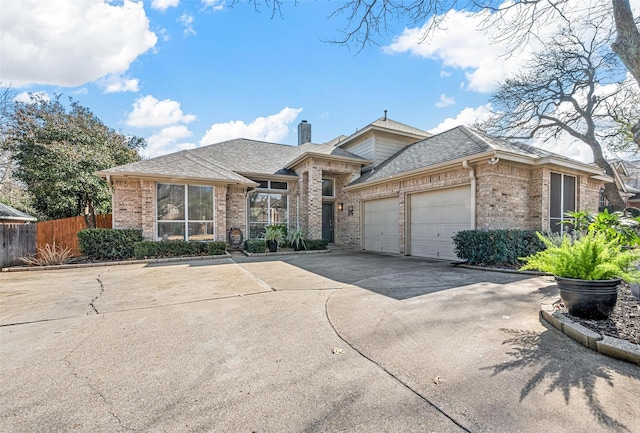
(588, 270)
(274, 236)
(296, 239)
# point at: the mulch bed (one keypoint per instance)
(624, 322)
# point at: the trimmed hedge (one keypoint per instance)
(255, 246)
(316, 244)
(260, 246)
(159, 249)
(108, 244)
(496, 247)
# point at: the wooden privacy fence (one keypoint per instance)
(16, 240)
(64, 232)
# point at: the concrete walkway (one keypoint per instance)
(329, 342)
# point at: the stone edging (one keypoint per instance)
(604, 344)
(226, 255)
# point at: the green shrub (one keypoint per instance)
(255, 245)
(108, 244)
(316, 244)
(591, 257)
(496, 247)
(159, 249)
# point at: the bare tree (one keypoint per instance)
(368, 20)
(573, 87)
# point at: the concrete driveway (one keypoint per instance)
(330, 342)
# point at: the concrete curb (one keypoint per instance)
(614, 347)
(501, 270)
(226, 255)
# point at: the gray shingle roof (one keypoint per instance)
(397, 126)
(385, 123)
(9, 213)
(227, 160)
(456, 143)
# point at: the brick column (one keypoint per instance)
(314, 207)
(148, 195)
(220, 193)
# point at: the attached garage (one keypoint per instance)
(382, 225)
(435, 216)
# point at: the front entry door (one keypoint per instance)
(327, 222)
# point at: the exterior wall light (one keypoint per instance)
(340, 206)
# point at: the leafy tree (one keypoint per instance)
(367, 20)
(57, 151)
(570, 88)
(11, 192)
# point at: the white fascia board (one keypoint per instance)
(183, 179)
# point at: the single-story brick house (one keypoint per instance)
(388, 187)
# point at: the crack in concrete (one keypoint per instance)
(388, 372)
(87, 381)
(92, 304)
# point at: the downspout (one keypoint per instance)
(472, 178)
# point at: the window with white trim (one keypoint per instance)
(185, 212)
(562, 199)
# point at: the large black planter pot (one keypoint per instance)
(589, 299)
(297, 246)
(273, 246)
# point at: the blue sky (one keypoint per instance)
(185, 73)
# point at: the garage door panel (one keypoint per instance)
(436, 216)
(382, 226)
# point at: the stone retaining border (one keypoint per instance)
(614, 347)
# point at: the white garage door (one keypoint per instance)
(435, 217)
(382, 225)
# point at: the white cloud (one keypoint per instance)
(148, 111)
(119, 84)
(271, 128)
(187, 22)
(216, 5)
(569, 147)
(166, 141)
(29, 97)
(467, 117)
(69, 43)
(164, 4)
(460, 42)
(445, 101)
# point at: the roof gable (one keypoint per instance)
(455, 144)
(227, 161)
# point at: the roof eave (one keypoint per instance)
(595, 173)
(415, 172)
(165, 177)
(267, 176)
(18, 218)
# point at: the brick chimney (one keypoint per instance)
(304, 132)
